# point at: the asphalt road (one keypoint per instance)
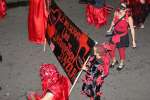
(21, 59)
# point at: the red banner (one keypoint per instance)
(70, 45)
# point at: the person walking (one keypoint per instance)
(122, 21)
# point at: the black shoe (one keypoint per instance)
(0, 58)
(120, 67)
(113, 64)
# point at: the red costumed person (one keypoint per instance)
(2, 8)
(122, 20)
(97, 69)
(54, 85)
(37, 20)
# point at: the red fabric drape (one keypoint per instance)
(2, 8)
(96, 16)
(37, 21)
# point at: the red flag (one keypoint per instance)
(70, 45)
(37, 21)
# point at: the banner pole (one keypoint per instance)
(44, 48)
(78, 75)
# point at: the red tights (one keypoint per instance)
(122, 53)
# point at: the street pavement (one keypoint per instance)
(19, 68)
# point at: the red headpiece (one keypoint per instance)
(49, 72)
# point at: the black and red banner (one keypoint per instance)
(70, 45)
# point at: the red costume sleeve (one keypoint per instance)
(37, 21)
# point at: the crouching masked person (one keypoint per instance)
(96, 69)
(54, 85)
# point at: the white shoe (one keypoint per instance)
(95, 42)
(142, 26)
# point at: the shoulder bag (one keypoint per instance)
(111, 32)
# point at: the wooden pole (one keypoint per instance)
(44, 48)
(79, 75)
